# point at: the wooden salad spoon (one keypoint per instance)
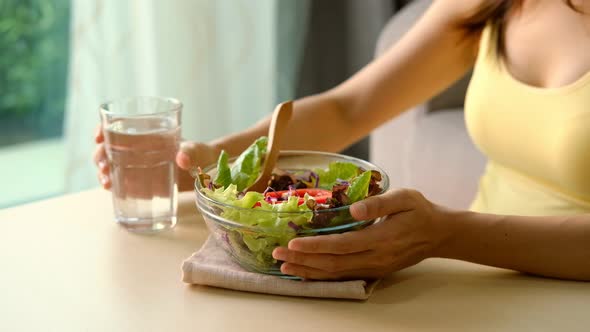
(276, 131)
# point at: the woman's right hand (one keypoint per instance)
(190, 154)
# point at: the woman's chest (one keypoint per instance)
(542, 133)
(547, 44)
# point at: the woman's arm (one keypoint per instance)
(414, 229)
(549, 246)
(432, 55)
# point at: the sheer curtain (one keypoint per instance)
(228, 61)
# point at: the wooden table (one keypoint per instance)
(66, 266)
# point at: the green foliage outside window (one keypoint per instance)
(34, 44)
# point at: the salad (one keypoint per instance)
(297, 202)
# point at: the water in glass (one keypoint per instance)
(141, 153)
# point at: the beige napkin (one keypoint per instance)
(212, 266)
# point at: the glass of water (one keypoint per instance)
(142, 135)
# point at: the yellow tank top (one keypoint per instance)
(537, 140)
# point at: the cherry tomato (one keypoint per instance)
(320, 195)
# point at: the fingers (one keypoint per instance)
(193, 154)
(371, 252)
(392, 202)
(98, 135)
(329, 262)
(100, 159)
(183, 160)
(186, 155)
(99, 154)
(345, 243)
(104, 180)
(307, 272)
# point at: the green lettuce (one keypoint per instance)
(246, 168)
(279, 232)
(223, 177)
(260, 216)
(359, 187)
(336, 170)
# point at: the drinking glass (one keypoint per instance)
(142, 135)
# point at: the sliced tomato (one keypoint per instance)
(320, 195)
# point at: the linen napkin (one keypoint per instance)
(212, 266)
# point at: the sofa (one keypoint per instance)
(427, 147)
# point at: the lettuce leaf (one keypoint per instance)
(359, 187)
(246, 168)
(336, 171)
(223, 177)
(227, 195)
(279, 232)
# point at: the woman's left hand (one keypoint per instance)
(409, 233)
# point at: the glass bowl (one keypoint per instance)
(250, 246)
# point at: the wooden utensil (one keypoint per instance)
(276, 131)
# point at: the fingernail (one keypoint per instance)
(279, 254)
(286, 269)
(359, 209)
(104, 180)
(102, 164)
(183, 159)
(294, 245)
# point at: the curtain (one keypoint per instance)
(228, 61)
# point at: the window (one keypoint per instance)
(34, 38)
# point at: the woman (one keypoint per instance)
(527, 109)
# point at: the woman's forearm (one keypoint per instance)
(317, 124)
(549, 246)
(432, 55)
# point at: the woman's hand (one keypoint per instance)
(100, 159)
(191, 154)
(409, 233)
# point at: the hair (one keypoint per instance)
(497, 14)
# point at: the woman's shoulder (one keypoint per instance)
(457, 12)
(466, 17)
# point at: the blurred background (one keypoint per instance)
(228, 61)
